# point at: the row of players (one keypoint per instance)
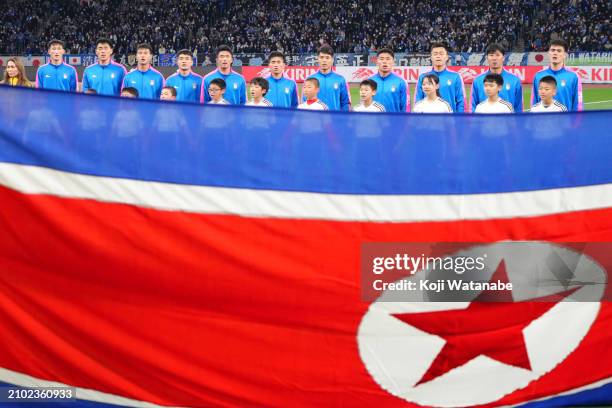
(431, 103)
(391, 93)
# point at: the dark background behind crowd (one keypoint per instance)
(301, 26)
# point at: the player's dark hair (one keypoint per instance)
(326, 49)
(369, 82)
(494, 47)
(171, 89)
(434, 79)
(385, 51)
(559, 42)
(549, 79)
(314, 81)
(263, 82)
(55, 41)
(496, 78)
(131, 91)
(91, 91)
(144, 46)
(220, 82)
(439, 44)
(222, 48)
(184, 52)
(104, 41)
(276, 54)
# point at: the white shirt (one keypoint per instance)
(439, 105)
(264, 102)
(317, 105)
(374, 107)
(221, 102)
(500, 106)
(555, 106)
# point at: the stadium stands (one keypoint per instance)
(300, 27)
(584, 24)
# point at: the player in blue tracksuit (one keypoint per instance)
(106, 76)
(333, 90)
(56, 74)
(569, 85)
(512, 90)
(282, 92)
(392, 91)
(187, 83)
(236, 89)
(147, 80)
(451, 83)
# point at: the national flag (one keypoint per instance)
(74, 59)
(216, 262)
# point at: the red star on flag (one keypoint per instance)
(493, 329)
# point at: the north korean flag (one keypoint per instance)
(212, 259)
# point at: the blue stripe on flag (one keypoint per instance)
(598, 396)
(279, 149)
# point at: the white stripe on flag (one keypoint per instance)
(302, 205)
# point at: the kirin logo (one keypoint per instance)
(264, 73)
(468, 73)
(582, 73)
(362, 73)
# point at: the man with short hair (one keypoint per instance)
(512, 91)
(547, 89)
(56, 74)
(188, 84)
(451, 83)
(493, 84)
(283, 92)
(333, 89)
(569, 85)
(392, 91)
(105, 76)
(146, 79)
(236, 89)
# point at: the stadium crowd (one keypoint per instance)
(585, 24)
(301, 27)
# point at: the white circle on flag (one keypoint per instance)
(397, 354)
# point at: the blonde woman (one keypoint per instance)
(15, 74)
